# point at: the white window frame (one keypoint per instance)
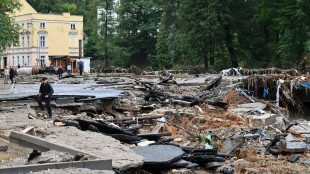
(13, 61)
(28, 25)
(42, 60)
(73, 27)
(23, 41)
(28, 41)
(28, 60)
(42, 25)
(43, 41)
(23, 25)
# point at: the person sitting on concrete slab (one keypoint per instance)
(45, 93)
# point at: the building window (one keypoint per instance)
(23, 60)
(42, 25)
(28, 60)
(13, 61)
(42, 41)
(23, 41)
(28, 41)
(22, 26)
(17, 63)
(28, 25)
(42, 61)
(72, 26)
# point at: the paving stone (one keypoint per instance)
(159, 154)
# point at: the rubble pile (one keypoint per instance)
(187, 124)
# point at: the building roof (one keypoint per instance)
(25, 8)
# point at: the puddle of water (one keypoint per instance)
(6, 156)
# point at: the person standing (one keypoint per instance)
(303, 65)
(12, 74)
(81, 68)
(69, 69)
(60, 71)
(45, 93)
(6, 75)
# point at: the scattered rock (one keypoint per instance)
(214, 165)
(293, 159)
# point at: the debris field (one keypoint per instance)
(238, 121)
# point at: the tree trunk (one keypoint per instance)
(106, 35)
(212, 52)
(230, 47)
(205, 59)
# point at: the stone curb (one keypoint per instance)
(32, 141)
(92, 164)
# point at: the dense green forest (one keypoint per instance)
(213, 34)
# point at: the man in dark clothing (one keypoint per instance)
(81, 68)
(45, 93)
(60, 71)
(12, 74)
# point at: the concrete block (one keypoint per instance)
(15, 135)
(262, 120)
(99, 164)
(33, 140)
(62, 148)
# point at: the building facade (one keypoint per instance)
(42, 37)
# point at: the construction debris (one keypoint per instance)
(238, 121)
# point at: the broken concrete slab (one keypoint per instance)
(294, 147)
(261, 120)
(64, 90)
(230, 145)
(159, 154)
(256, 105)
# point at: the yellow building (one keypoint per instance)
(43, 36)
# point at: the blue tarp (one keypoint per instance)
(305, 85)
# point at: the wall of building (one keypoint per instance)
(60, 38)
